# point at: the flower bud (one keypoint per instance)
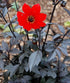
(34, 41)
(63, 3)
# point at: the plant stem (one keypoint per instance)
(10, 29)
(49, 24)
(16, 5)
(10, 22)
(58, 79)
(8, 25)
(39, 38)
(63, 37)
(27, 34)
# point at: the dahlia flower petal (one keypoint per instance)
(19, 14)
(27, 27)
(26, 8)
(21, 18)
(35, 26)
(42, 17)
(36, 8)
(42, 24)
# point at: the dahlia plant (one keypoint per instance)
(30, 57)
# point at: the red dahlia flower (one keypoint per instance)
(31, 18)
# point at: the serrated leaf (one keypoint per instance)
(15, 51)
(26, 67)
(1, 64)
(63, 50)
(58, 53)
(14, 18)
(62, 69)
(52, 74)
(43, 34)
(9, 34)
(11, 69)
(27, 77)
(49, 47)
(21, 69)
(22, 57)
(52, 56)
(37, 76)
(35, 70)
(35, 59)
(18, 27)
(63, 73)
(5, 46)
(18, 80)
(43, 73)
(6, 25)
(50, 80)
(56, 36)
(67, 10)
(66, 42)
(44, 29)
(61, 28)
(19, 37)
(67, 58)
(65, 79)
(5, 10)
(13, 41)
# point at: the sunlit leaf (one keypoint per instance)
(14, 5)
(67, 24)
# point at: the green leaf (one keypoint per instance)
(7, 29)
(1, 26)
(67, 24)
(14, 5)
(19, 30)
